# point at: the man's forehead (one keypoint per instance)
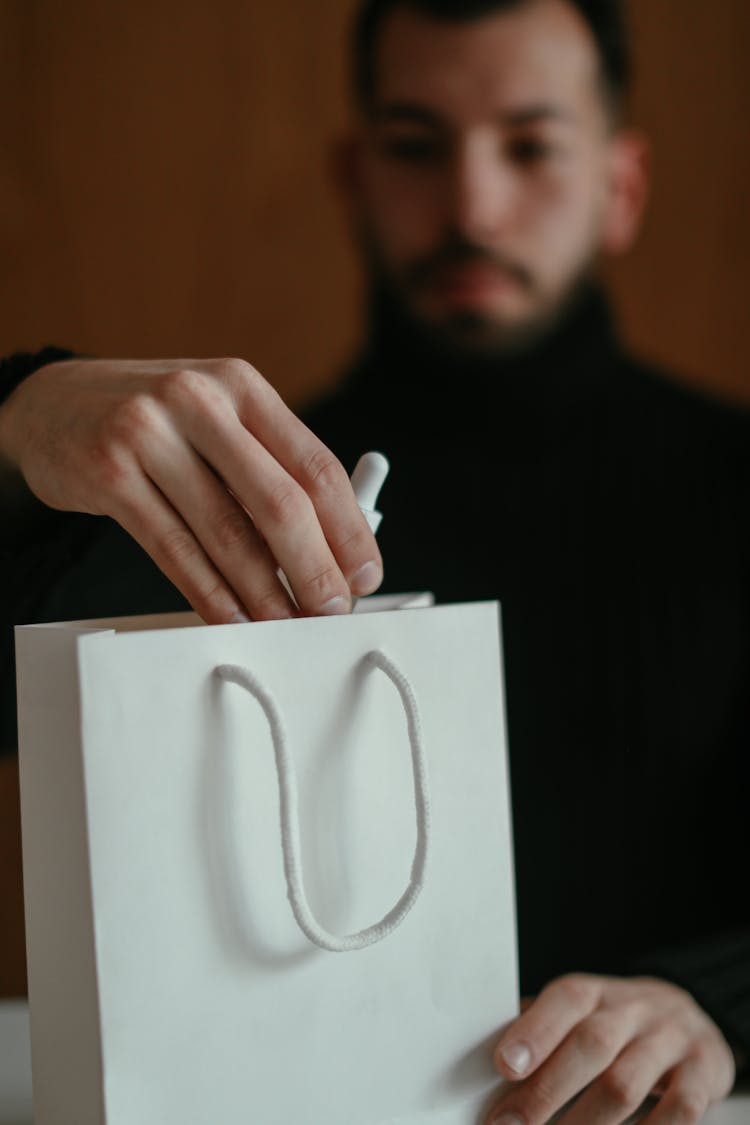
(540, 53)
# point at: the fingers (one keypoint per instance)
(152, 522)
(544, 1024)
(318, 473)
(258, 490)
(705, 1076)
(220, 525)
(599, 1048)
(317, 534)
(686, 1098)
(590, 1048)
(624, 1087)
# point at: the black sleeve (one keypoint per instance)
(15, 368)
(27, 563)
(29, 569)
(76, 568)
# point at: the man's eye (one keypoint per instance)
(527, 150)
(416, 150)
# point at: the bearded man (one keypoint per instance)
(533, 461)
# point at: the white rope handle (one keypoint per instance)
(289, 812)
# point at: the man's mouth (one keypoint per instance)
(472, 283)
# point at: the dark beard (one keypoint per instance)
(465, 335)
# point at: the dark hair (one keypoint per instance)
(605, 18)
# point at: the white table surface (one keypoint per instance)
(15, 1075)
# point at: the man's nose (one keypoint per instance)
(483, 190)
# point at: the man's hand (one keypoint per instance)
(614, 1041)
(182, 454)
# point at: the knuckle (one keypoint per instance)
(214, 603)
(700, 1052)
(187, 391)
(267, 605)
(353, 543)
(577, 989)
(233, 530)
(595, 1036)
(129, 421)
(177, 546)
(543, 1101)
(322, 472)
(236, 371)
(236, 378)
(320, 585)
(287, 504)
(620, 1087)
(180, 384)
(633, 1013)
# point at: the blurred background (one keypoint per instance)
(164, 191)
(164, 188)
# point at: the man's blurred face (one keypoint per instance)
(485, 168)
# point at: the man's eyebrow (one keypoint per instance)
(530, 114)
(414, 113)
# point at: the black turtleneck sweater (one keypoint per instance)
(607, 508)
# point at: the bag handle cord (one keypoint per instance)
(289, 810)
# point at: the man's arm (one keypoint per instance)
(205, 467)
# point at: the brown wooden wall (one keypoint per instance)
(683, 292)
(163, 191)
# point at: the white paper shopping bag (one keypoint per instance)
(268, 868)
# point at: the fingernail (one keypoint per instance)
(366, 579)
(507, 1119)
(335, 605)
(240, 618)
(516, 1057)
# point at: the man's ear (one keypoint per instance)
(628, 190)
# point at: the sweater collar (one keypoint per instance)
(572, 355)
